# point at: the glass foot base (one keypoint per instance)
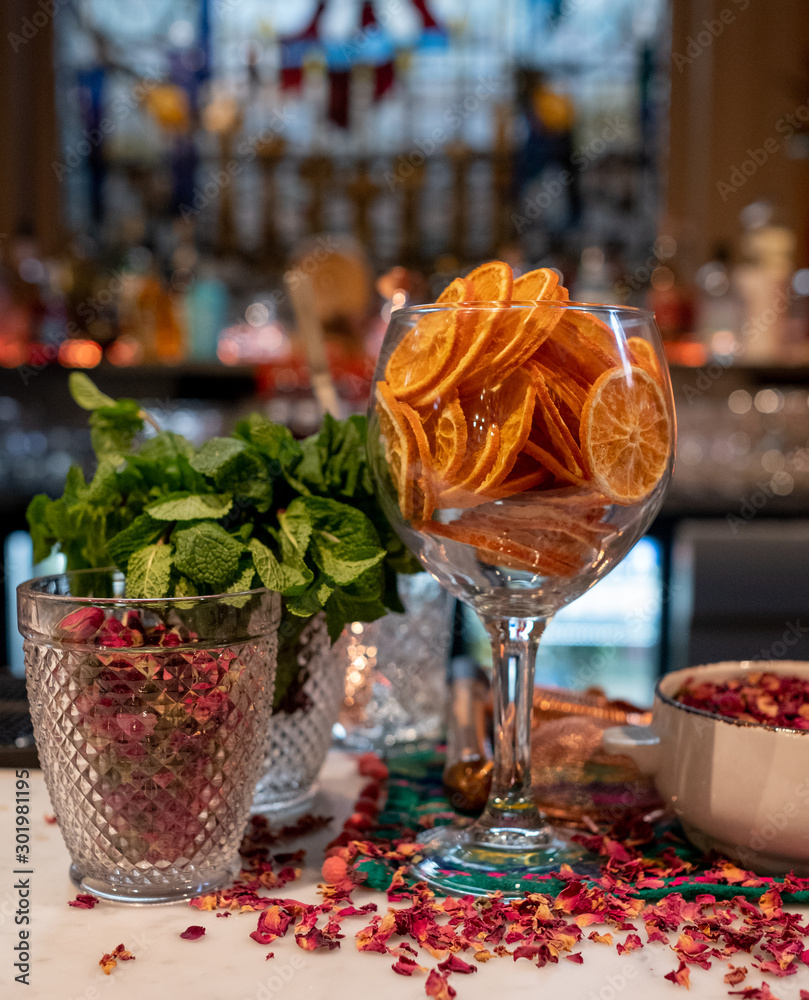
(151, 894)
(459, 862)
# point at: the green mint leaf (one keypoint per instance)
(296, 529)
(344, 543)
(310, 471)
(256, 493)
(341, 609)
(289, 580)
(166, 447)
(149, 571)
(215, 455)
(41, 535)
(143, 531)
(207, 554)
(334, 461)
(274, 440)
(85, 392)
(244, 581)
(103, 488)
(183, 587)
(113, 428)
(91, 528)
(311, 600)
(190, 507)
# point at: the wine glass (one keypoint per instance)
(519, 449)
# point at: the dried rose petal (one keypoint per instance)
(111, 959)
(766, 698)
(371, 766)
(736, 975)
(83, 902)
(762, 992)
(192, 933)
(681, 976)
(438, 987)
(454, 964)
(405, 966)
(80, 625)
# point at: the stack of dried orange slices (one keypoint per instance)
(542, 405)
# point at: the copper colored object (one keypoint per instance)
(576, 782)
(468, 769)
(467, 784)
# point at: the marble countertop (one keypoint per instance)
(67, 943)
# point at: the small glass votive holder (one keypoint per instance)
(395, 689)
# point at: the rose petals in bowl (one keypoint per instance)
(768, 698)
(730, 761)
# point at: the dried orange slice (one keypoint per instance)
(565, 445)
(515, 485)
(426, 481)
(482, 447)
(626, 435)
(552, 464)
(490, 282)
(535, 285)
(567, 395)
(400, 446)
(571, 351)
(520, 331)
(512, 408)
(446, 432)
(499, 551)
(430, 348)
(643, 355)
(533, 514)
(597, 334)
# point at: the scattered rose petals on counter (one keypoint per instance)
(449, 937)
(110, 960)
(762, 992)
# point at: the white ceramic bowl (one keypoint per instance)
(739, 787)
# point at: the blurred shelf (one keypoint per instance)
(189, 380)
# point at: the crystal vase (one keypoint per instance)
(395, 689)
(150, 719)
(299, 732)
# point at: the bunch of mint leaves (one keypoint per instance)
(256, 508)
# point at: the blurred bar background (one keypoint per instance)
(165, 163)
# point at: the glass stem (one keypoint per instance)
(515, 642)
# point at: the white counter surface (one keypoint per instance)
(67, 943)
